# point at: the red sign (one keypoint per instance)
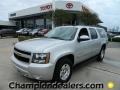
(47, 7)
(69, 5)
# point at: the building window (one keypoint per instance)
(39, 23)
(30, 23)
(18, 24)
(48, 24)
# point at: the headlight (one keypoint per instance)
(41, 58)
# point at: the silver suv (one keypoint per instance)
(53, 56)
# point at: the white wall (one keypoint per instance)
(76, 6)
(7, 23)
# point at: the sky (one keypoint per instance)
(108, 10)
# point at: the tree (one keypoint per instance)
(62, 17)
(88, 18)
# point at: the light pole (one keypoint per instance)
(53, 10)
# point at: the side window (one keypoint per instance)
(83, 35)
(93, 33)
(102, 33)
(83, 31)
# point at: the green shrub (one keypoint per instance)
(109, 39)
(22, 38)
(116, 39)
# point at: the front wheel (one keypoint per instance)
(63, 71)
(101, 54)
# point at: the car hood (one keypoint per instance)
(38, 44)
(18, 31)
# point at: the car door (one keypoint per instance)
(83, 48)
(95, 41)
(7, 32)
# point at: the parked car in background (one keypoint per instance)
(111, 34)
(19, 32)
(42, 32)
(26, 31)
(115, 38)
(118, 36)
(34, 32)
(7, 32)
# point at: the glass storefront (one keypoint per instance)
(34, 23)
(29, 23)
(18, 24)
(39, 23)
(48, 24)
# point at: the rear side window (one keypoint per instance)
(102, 33)
(93, 33)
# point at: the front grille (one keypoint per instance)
(20, 58)
(21, 55)
(23, 52)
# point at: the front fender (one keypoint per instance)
(60, 55)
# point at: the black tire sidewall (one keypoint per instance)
(1, 35)
(99, 56)
(56, 76)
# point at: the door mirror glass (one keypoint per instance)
(84, 38)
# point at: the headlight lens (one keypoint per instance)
(41, 58)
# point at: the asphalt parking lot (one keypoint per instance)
(90, 71)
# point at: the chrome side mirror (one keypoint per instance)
(83, 38)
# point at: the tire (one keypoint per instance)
(35, 35)
(1, 36)
(101, 54)
(63, 70)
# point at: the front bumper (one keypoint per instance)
(34, 71)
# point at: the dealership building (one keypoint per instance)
(6, 24)
(35, 16)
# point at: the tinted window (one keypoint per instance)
(83, 31)
(39, 23)
(93, 33)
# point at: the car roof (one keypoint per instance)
(6, 29)
(82, 26)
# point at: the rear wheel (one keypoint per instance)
(63, 70)
(101, 54)
(1, 36)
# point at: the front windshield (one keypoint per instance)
(62, 33)
(21, 30)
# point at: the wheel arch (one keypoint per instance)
(69, 56)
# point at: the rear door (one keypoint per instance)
(95, 47)
(8, 32)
